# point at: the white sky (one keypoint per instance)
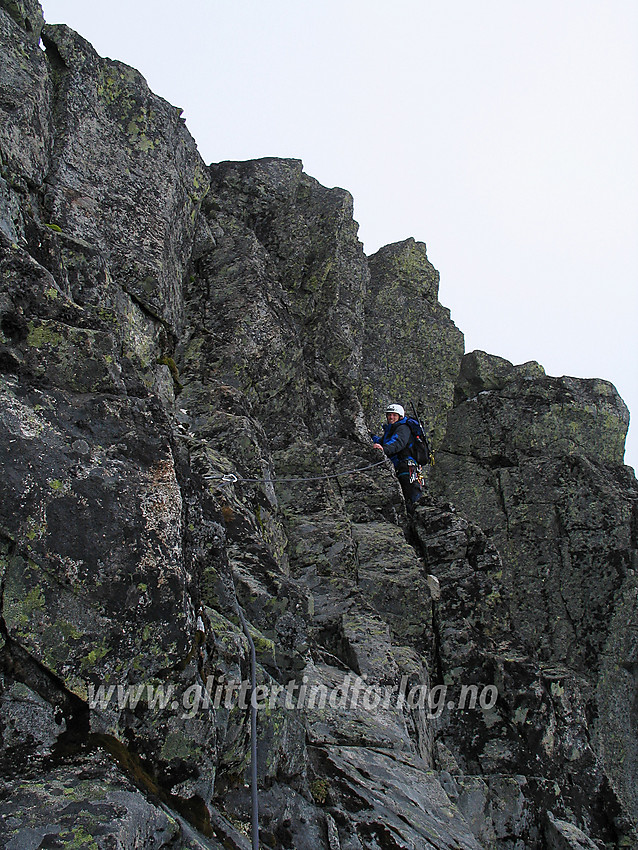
(502, 133)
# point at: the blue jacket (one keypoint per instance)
(397, 441)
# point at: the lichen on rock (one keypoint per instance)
(191, 358)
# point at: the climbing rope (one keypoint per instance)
(231, 478)
(254, 792)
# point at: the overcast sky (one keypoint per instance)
(502, 133)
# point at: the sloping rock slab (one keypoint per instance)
(391, 800)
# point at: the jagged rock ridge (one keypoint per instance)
(165, 324)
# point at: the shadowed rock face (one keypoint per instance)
(190, 357)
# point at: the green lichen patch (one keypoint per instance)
(94, 656)
(76, 358)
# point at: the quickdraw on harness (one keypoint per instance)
(416, 474)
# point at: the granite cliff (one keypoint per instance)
(190, 358)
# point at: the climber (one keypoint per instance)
(397, 442)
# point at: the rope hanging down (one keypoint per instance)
(254, 791)
(231, 478)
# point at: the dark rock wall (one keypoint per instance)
(179, 346)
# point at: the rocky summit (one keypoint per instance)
(215, 607)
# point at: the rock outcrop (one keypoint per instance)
(412, 349)
(537, 463)
(190, 360)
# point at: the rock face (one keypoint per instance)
(190, 360)
(412, 349)
(537, 463)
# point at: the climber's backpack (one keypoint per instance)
(420, 445)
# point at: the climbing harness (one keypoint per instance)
(231, 478)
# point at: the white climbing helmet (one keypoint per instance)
(395, 408)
